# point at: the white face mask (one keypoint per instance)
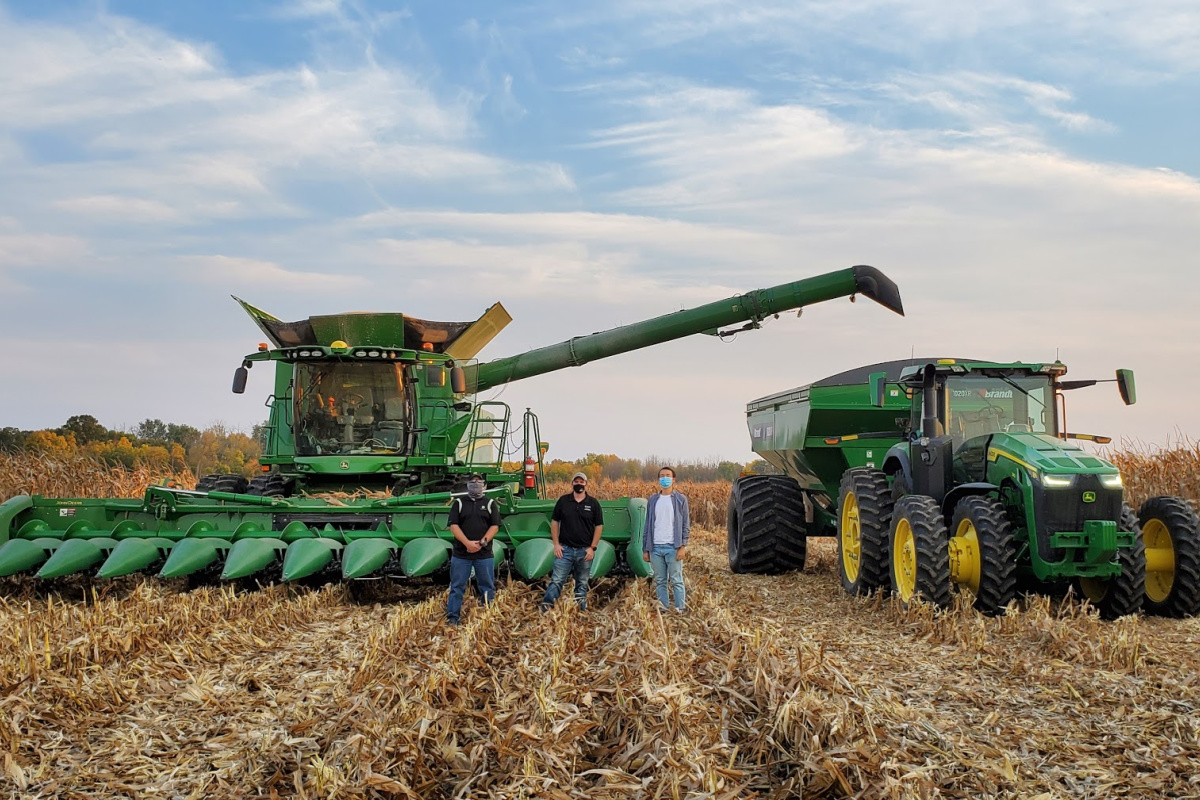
(475, 489)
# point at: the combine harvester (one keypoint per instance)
(946, 475)
(380, 406)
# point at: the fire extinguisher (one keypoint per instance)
(530, 473)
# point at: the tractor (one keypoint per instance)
(949, 475)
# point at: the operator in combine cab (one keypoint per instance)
(575, 528)
(474, 521)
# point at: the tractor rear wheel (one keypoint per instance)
(920, 552)
(983, 554)
(1121, 594)
(1171, 532)
(765, 525)
(236, 484)
(864, 515)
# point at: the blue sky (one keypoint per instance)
(1026, 172)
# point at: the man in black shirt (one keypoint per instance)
(474, 520)
(575, 528)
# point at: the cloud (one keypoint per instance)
(234, 272)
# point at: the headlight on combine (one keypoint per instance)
(1111, 481)
(1058, 481)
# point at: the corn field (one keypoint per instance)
(771, 686)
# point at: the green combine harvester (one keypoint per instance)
(939, 476)
(374, 425)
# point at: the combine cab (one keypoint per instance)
(374, 425)
(947, 475)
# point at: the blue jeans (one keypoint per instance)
(573, 563)
(460, 572)
(667, 568)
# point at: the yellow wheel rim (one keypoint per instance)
(851, 538)
(904, 560)
(1160, 560)
(1094, 589)
(966, 565)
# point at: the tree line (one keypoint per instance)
(171, 447)
(151, 443)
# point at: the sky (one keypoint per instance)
(1026, 172)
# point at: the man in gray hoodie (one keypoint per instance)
(665, 538)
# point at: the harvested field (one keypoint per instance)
(779, 686)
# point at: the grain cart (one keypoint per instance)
(942, 475)
(374, 425)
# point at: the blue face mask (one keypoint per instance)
(665, 481)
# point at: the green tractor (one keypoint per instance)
(374, 426)
(939, 476)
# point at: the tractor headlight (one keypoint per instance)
(1111, 481)
(360, 353)
(1058, 481)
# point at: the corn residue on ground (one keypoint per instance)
(772, 686)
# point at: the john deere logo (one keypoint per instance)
(1089, 497)
(346, 465)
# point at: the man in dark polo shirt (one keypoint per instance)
(474, 520)
(575, 528)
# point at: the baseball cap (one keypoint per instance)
(475, 475)
(579, 475)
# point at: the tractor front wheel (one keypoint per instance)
(864, 514)
(237, 484)
(765, 525)
(1121, 594)
(983, 554)
(1171, 532)
(919, 553)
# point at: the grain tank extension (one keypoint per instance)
(381, 406)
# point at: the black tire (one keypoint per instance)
(864, 517)
(1170, 526)
(983, 520)
(920, 552)
(765, 525)
(1122, 594)
(223, 483)
(273, 485)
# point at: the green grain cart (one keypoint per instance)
(944, 475)
(374, 425)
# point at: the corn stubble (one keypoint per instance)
(773, 686)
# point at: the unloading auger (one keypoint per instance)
(374, 425)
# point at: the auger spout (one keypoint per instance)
(750, 308)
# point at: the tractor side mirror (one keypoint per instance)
(458, 380)
(239, 380)
(1126, 386)
(878, 384)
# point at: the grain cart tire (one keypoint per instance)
(765, 525)
(223, 483)
(983, 553)
(864, 516)
(1121, 594)
(920, 553)
(1171, 533)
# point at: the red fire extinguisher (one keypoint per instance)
(530, 473)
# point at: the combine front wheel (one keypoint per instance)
(1171, 531)
(864, 514)
(765, 525)
(920, 555)
(236, 484)
(983, 554)
(1121, 594)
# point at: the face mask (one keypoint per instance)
(579, 488)
(475, 489)
(665, 481)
